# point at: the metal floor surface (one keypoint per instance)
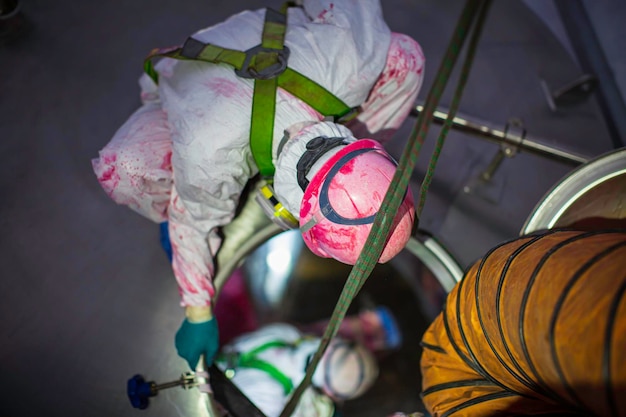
(87, 296)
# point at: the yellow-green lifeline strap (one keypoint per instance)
(454, 106)
(384, 219)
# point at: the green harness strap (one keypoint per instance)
(267, 65)
(250, 360)
(268, 57)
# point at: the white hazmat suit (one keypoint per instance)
(184, 155)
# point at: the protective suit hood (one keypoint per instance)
(286, 186)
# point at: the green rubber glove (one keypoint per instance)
(195, 339)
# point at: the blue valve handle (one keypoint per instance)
(139, 391)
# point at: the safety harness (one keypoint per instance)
(234, 360)
(266, 64)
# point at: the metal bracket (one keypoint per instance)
(231, 359)
(484, 184)
(268, 72)
(574, 92)
(507, 150)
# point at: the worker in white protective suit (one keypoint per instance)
(268, 364)
(185, 155)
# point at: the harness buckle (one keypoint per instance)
(274, 208)
(269, 72)
(230, 357)
(354, 112)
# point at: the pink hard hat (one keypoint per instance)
(342, 199)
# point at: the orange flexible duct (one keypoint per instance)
(536, 327)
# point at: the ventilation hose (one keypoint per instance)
(536, 327)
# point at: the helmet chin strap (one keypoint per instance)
(315, 149)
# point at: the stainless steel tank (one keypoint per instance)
(289, 283)
(595, 189)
